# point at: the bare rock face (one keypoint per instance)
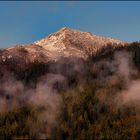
(69, 42)
(66, 42)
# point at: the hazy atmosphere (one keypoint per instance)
(25, 22)
(70, 70)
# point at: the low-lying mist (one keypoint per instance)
(71, 98)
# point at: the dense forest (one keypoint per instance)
(73, 98)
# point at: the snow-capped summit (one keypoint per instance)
(70, 41)
(64, 43)
(75, 37)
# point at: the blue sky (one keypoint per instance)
(25, 22)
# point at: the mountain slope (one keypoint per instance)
(93, 98)
(69, 41)
(66, 42)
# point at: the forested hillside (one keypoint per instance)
(73, 98)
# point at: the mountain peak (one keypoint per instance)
(65, 28)
(68, 29)
(67, 41)
(67, 37)
(64, 43)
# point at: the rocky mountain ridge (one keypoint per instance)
(66, 42)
